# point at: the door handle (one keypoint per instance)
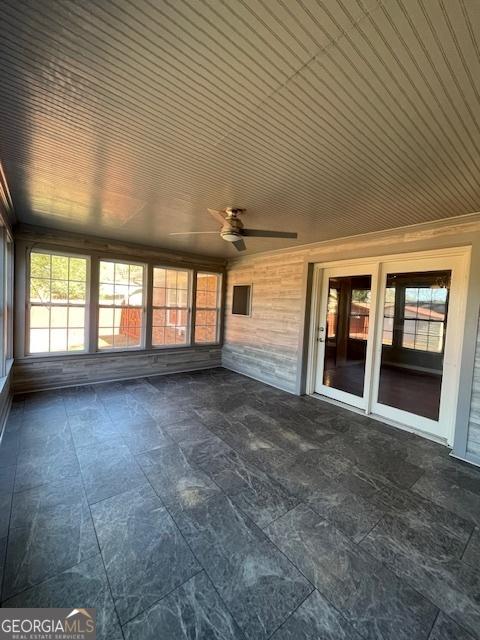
(321, 340)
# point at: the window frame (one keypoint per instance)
(98, 306)
(218, 308)
(28, 303)
(192, 274)
(94, 256)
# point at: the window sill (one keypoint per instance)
(4, 379)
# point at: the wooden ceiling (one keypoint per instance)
(329, 118)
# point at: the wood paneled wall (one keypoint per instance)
(264, 345)
(53, 372)
(473, 442)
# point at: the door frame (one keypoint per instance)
(461, 256)
(365, 269)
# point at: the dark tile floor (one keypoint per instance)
(209, 506)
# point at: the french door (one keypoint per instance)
(345, 333)
(389, 335)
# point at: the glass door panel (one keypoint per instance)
(413, 341)
(345, 320)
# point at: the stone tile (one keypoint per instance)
(250, 488)
(92, 426)
(77, 399)
(369, 596)
(316, 619)
(258, 584)
(143, 435)
(7, 476)
(9, 447)
(200, 451)
(50, 531)
(446, 629)
(109, 469)
(145, 555)
(174, 479)
(37, 468)
(428, 561)
(472, 551)
(186, 430)
(458, 494)
(194, 610)
(41, 435)
(345, 503)
(83, 585)
(3, 548)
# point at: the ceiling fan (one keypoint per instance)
(233, 230)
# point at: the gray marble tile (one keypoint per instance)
(200, 451)
(9, 447)
(186, 430)
(77, 399)
(83, 585)
(3, 548)
(451, 493)
(316, 619)
(344, 502)
(109, 469)
(258, 584)
(368, 595)
(142, 435)
(50, 531)
(145, 555)
(42, 435)
(427, 562)
(7, 476)
(446, 629)
(194, 610)
(251, 489)
(92, 426)
(37, 468)
(472, 551)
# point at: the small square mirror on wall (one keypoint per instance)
(242, 299)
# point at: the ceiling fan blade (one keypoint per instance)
(264, 233)
(239, 245)
(217, 215)
(190, 233)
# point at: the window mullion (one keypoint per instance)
(93, 305)
(148, 310)
(193, 306)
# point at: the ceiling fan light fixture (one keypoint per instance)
(231, 235)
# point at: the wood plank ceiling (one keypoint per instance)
(330, 118)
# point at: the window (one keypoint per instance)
(57, 303)
(359, 314)
(241, 299)
(171, 312)
(207, 308)
(424, 318)
(388, 316)
(121, 305)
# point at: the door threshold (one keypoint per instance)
(387, 421)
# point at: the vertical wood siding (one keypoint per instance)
(473, 442)
(264, 345)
